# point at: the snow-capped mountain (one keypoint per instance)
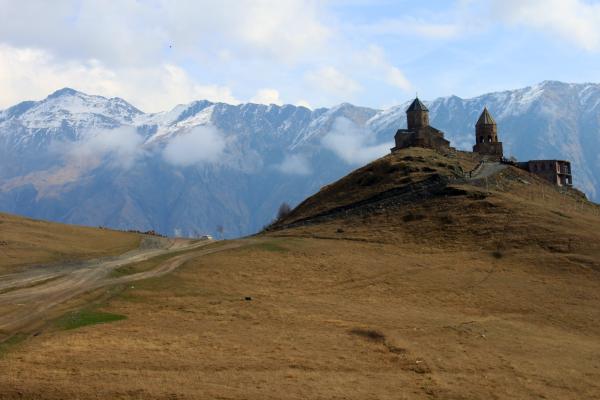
(85, 159)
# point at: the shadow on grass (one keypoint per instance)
(369, 334)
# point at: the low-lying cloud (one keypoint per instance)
(201, 144)
(295, 164)
(120, 147)
(354, 144)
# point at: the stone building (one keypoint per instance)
(486, 136)
(419, 133)
(556, 171)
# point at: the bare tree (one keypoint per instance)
(284, 210)
(220, 231)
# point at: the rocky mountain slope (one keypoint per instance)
(85, 159)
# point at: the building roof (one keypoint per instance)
(486, 118)
(417, 106)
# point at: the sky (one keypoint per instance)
(376, 53)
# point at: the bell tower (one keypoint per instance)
(486, 136)
(486, 129)
(417, 115)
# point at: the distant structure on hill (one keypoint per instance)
(556, 171)
(420, 134)
(486, 136)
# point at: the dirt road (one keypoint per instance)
(27, 298)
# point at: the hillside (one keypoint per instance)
(406, 279)
(418, 196)
(84, 159)
(27, 242)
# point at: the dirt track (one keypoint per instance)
(27, 298)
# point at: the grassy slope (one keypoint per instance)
(468, 298)
(333, 318)
(25, 241)
(392, 171)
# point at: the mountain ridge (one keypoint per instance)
(259, 157)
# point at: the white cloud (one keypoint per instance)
(33, 74)
(155, 54)
(392, 75)
(295, 164)
(410, 26)
(303, 103)
(333, 81)
(575, 21)
(130, 32)
(286, 29)
(354, 144)
(267, 96)
(177, 87)
(120, 147)
(202, 144)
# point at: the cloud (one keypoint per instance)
(303, 103)
(575, 21)
(130, 32)
(120, 147)
(202, 144)
(267, 96)
(354, 144)
(155, 54)
(27, 73)
(333, 81)
(410, 26)
(375, 56)
(295, 164)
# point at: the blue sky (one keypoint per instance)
(378, 53)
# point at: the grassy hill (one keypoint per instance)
(418, 197)
(26, 242)
(404, 280)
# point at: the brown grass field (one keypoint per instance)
(26, 242)
(490, 290)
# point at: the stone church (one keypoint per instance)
(419, 133)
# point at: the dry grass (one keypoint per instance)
(25, 241)
(493, 296)
(394, 170)
(333, 319)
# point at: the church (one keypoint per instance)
(420, 134)
(486, 136)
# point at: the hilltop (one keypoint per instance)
(418, 276)
(418, 196)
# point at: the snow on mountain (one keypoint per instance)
(68, 105)
(267, 154)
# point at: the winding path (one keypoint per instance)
(28, 298)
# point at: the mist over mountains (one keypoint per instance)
(91, 160)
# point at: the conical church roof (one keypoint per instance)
(417, 106)
(486, 118)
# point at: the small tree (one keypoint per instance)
(220, 231)
(284, 210)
